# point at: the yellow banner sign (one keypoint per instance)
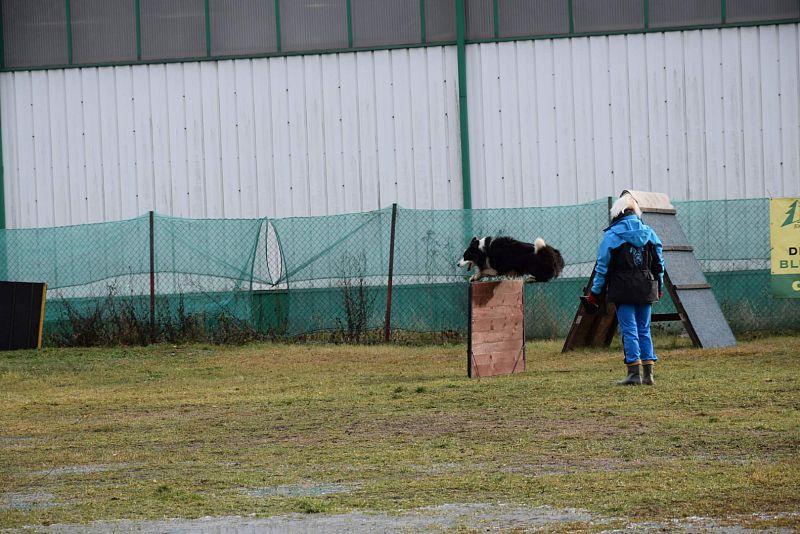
(784, 234)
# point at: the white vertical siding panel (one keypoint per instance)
(531, 189)
(126, 142)
(453, 135)
(143, 135)
(565, 121)
(675, 96)
(11, 180)
(695, 116)
(315, 135)
(387, 151)
(510, 117)
(93, 145)
(436, 143)
(75, 142)
(229, 137)
(57, 134)
(177, 178)
(246, 141)
(212, 140)
(582, 82)
(28, 212)
(601, 145)
(366, 151)
(639, 119)
(751, 113)
(657, 119)
(545, 92)
(771, 110)
(160, 120)
(42, 149)
(420, 128)
(298, 138)
(282, 160)
(404, 141)
(492, 125)
(193, 100)
(714, 114)
(262, 119)
(732, 114)
(335, 187)
(344, 140)
(109, 144)
(790, 98)
(619, 88)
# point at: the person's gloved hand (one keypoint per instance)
(591, 302)
(660, 294)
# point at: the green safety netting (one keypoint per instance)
(296, 276)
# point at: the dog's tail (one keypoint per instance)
(539, 244)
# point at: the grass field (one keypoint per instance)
(266, 429)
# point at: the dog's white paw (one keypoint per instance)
(530, 279)
(475, 277)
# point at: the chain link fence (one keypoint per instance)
(171, 279)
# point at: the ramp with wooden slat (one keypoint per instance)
(496, 340)
(684, 281)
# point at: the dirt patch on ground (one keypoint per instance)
(445, 518)
(79, 469)
(299, 490)
(26, 502)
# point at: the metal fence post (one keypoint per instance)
(387, 325)
(152, 278)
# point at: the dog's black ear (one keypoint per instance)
(474, 240)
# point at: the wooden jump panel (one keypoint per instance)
(496, 328)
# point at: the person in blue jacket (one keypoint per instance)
(630, 265)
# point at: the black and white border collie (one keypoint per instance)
(505, 256)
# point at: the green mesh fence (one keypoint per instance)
(300, 276)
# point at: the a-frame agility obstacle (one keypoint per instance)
(695, 304)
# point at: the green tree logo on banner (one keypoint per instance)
(790, 219)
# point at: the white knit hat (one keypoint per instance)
(624, 202)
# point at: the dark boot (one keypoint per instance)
(647, 379)
(633, 378)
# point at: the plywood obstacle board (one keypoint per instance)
(696, 307)
(21, 315)
(496, 332)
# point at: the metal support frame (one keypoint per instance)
(387, 323)
(461, 34)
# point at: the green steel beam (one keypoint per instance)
(646, 15)
(571, 17)
(69, 32)
(138, 31)
(349, 25)
(2, 40)
(723, 9)
(207, 16)
(422, 30)
(495, 19)
(278, 24)
(461, 34)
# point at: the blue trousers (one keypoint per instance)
(634, 327)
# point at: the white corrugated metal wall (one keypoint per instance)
(697, 114)
(289, 136)
(706, 114)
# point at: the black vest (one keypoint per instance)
(633, 274)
